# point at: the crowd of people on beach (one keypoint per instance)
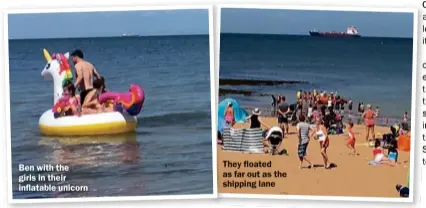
(317, 115)
(90, 84)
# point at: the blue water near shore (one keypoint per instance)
(376, 71)
(171, 151)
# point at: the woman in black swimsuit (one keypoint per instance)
(255, 121)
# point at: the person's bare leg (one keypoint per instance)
(100, 109)
(75, 111)
(283, 128)
(372, 132)
(89, 111)
(85, 111)
(324, 157)
(307, 160)
(286, 128)
(109, 109)
(367, 131)
(350, 148)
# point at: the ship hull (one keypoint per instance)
(331, 34)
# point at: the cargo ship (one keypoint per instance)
(350, 32)
(129, 35)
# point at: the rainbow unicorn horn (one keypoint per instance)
(47, 55)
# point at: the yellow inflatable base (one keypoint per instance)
(89, 130)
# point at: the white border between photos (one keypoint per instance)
(413, 100)
(120, 198)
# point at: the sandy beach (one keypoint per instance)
(352, 175)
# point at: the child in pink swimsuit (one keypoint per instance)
(73, 106)
(229, 115)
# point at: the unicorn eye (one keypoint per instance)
(48, 66)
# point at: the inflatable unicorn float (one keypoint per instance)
(127, 105)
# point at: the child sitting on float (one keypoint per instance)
(69, 103)
(109, 104)
(90, 104)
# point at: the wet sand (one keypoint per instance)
(352, 175)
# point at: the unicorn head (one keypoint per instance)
(58, 69)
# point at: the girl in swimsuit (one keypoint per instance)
(229, 115)
(350, 142)
(321, 135)
(109, 104)
(73, 107)
(379, 155)
(369, 116)
(91, 103)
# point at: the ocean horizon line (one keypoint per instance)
(303, 35)
(105, 37)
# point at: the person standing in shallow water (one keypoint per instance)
(350, 102)
(361, 108)
(377, 113)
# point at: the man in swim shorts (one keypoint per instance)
(303, 132)
(84, 74)
(283, 110)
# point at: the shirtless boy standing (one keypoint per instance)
(84, 74)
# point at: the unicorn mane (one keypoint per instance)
(64, 67)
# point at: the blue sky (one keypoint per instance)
(299, 22)
(101, 24)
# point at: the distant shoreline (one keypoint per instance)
(108, 37)
(302, 35)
